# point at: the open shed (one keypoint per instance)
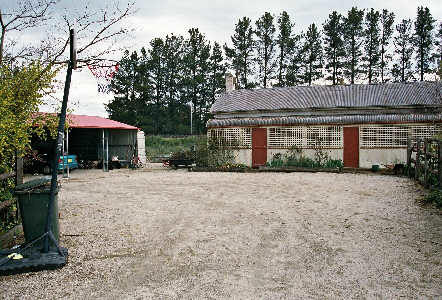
(90, 136)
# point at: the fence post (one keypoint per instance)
(440, 163)
(18, 170)
(408, 157)
(426, 163)
(417, 163)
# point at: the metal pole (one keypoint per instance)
(107, 151)
(102, 153)
(67, 148)
(63, 155)
(191, 118)
(58, 145)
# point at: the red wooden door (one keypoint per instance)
(351, 147)
(259, 146)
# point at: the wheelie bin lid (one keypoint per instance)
(41, 183)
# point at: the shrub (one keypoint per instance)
(434, 197)
(294, 158)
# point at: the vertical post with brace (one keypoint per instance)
(59, 143)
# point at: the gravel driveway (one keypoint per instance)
(176, 234)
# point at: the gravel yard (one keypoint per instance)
(156, 233)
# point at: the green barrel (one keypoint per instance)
(33, 200)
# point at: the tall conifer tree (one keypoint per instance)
(285, 43)
(371, 45)
(403, 43)
(334, 46)
(241, 55)
(353, 33)
(265, 44)
(387, 21)
(197, 66)
(423, 39)
(312, 54)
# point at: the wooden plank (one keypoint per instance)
(19, 171)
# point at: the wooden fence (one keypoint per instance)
(424, 162)
(5, 206)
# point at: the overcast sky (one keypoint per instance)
(216, 19)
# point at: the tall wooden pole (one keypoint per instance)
(59, 142)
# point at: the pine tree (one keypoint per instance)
(197, 70)
(403, 43)
(437, 56)
(155, 64)
(312, 54)
(217, 72)
(423, 39)
(265, 44)
(241, 55)
(173, 52)
(294, 75)
(285, 42)
(353, 32)
(371, 45)
(387, 21)
(334, 46)
(123, 86)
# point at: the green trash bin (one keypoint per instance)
(33, 200)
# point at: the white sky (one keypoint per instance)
(216, 19)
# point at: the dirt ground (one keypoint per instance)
(162, 234)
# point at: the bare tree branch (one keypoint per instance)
(97, 31)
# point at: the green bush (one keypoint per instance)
(302, 162)
(158, 146)
(6, 189)
(294, 158)
(434, 197)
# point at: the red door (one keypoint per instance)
(259, 146)
(351, 147)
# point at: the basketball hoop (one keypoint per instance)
(104, 75)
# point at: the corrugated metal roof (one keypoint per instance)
(354, 96)
(339, 120)
(82, 121)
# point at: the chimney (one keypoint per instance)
(230, 82)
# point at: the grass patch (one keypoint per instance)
(158, 146)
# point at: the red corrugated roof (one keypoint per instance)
(82, 121)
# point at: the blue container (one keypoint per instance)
(69, 160)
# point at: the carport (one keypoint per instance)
(93, 138)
